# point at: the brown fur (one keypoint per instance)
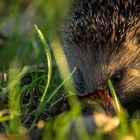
(102, 39)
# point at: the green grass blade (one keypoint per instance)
(54, 92)
(114, 95)
(14, 98)
(49, 60)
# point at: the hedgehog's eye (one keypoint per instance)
(117, 77)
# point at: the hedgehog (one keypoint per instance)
(101, 38)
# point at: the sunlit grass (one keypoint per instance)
(13, 88)
(49, 60)
(44, 102)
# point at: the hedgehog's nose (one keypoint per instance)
(104, 87)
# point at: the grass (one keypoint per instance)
(35, 80)
(114, 96)
(49, 60)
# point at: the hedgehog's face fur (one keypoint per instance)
(102, 39)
